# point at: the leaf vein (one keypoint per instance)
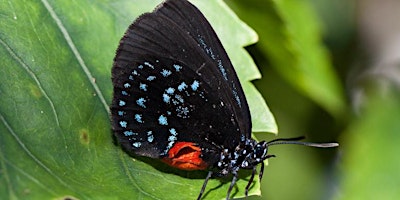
(34, 77)
(30, 154)
(76, 53)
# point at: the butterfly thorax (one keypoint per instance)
(247, 155)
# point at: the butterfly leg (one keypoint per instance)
(251, 179)
(262, 166)
(204, 185)
(234, 179)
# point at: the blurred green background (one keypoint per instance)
(330, 71)
(361, 39)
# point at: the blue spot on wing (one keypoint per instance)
(162, 120)
(138, 118)
(143, 86)
(195, 85)
(182, 86)
(166, 72)
(166, 98)
(141, 102)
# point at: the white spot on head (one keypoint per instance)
(162, 120)
(141, 102)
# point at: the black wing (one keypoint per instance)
(173, 81)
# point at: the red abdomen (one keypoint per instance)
(185, 156)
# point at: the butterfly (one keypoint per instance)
(177, 97)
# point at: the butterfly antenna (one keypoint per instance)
(295, 141)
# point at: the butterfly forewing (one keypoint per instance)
(199, 29)
(174, 82)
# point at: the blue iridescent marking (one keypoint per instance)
(205, 47)
(222, 69)
(168, 113)
(150, 78)
(149, 65)
(143, 87)
(121, 113)
(171, 138)
(182, 111)
(177, 67)
(137, 144)
(140, 66)
(138, 118)
(237, 98)
(165, 72)
(170, 144)
(123, 92)
(123, 124)
(195, 85)
(162, 120)
(127, 85)
(179, 98)
(121, 103)
(182, 86)
(141, 102)
(166, 98)
(173, 131)
(128, 133)
(135, 72)
(150, 137)
(170, 90)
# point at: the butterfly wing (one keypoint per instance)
(174, 82)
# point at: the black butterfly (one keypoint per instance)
(177, 97)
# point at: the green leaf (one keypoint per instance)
(55, 140)
(290, 37)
